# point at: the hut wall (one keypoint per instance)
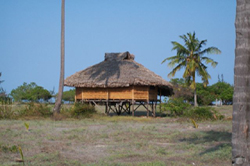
(120, 93)
(78, 93)
(153, 91)
(140, 93)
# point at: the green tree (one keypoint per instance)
(61, 81)
(204, 94)
(69, 95)
(30, 92)
(191, 57)
(223, 91)
(181, 89)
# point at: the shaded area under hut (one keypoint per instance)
(119, 83)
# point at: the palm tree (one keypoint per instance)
(191, 57)
(61, 81)
(241, 99)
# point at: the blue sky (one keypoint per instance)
(30, 35)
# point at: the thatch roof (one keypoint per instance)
(118, 70)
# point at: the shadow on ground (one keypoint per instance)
(139, 114)
(218, 139)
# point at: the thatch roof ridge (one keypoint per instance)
(117, 70)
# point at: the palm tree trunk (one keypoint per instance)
(195, 98)
(241, 100)
(195, 95)
(61, 81)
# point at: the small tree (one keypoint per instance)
(69, 95)
(223, 91)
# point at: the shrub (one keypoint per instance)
(80, 110)
(6, 112)
(33, 109)
(176, 106)
(65, 112)
(203, 113)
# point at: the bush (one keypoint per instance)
(176, 106)
(203, 113)
(33, 109)
(80, 110)
(6, 112)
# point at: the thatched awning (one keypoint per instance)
(118, 70)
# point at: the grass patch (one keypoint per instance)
(117, 140)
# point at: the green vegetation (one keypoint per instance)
(80, 110)
(176, 106)
(30, 92)
(69, 95)
(21, 154)
(179, 107)
(27, 126)
(191, 57)
(44, 110)
(205, 95)
(35, 110)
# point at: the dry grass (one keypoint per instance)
(122, 140)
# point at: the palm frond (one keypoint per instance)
(184, 37)
(176, 61)
(203, 42)
(210, 50)
(181, 50)
(186, 73)
(201, 71)
(177, 68)
(209, 60)
(164, 60)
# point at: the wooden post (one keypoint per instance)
(106, 108)
(160, 100)
(82, 93)
(154, 108)
(129, 104)
(133, 102)
(133, 109)
(147, 109)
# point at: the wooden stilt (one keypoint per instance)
(129, 104)
(147, 108)
(154, 107)
(133, 110)
(160, 101)
(106, 108)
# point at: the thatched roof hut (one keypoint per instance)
(119, 81)
(118, 70)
